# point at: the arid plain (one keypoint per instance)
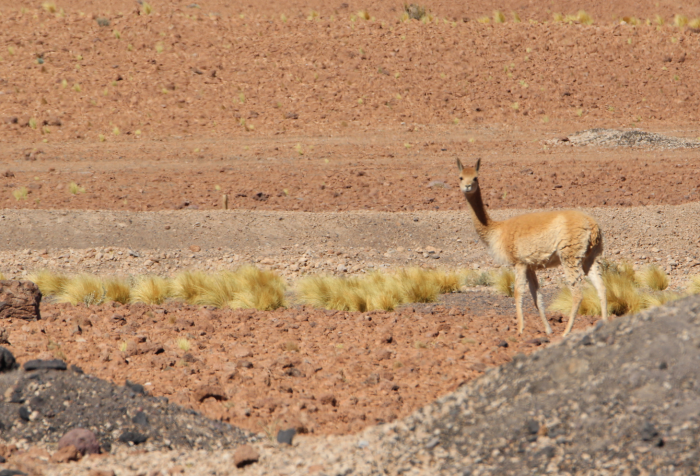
(321, 137)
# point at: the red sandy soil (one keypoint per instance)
(321, 371)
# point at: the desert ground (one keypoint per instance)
(320, 138)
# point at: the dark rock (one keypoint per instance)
(547, 451)
(502, 343)
(74, 368)
(140, 419)
(207, 391)
(244, 364)
(532, 427)
(245, 455)
(286, 436)
(291, 115)
(135, 387)
(84, 440)
(663, 365)
(7, 360)
(261, 197)
(133, 437)
(24, 413)
(20, 300)
(432, 443)
(587, 340)
(12, 472)
(55, 364)
(649, 431)
(328, 399)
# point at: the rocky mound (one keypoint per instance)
(621, 398)
(639, 139)
(41, 405)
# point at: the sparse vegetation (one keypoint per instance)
(623, 291)
(49, 7)
(50, 284)
(504, 282)
(20, 193)
(183, 344)
(75, 189)
(150, 290)
(414, 12)
(694, 285)
(498, 17)
(146, 8)
(376, 290)
(680, 21)
(653, 277)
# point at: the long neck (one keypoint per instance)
(480, 217)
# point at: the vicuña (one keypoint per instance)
(539, 240)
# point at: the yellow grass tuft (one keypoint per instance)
(504, 282)
(484, 20)
(189, 286)
(258, 289)
(74, 188)
(2, 277)
(659, 20)
(694, 23)
(84, 288)
(183, 344)
(364, 14)
(474, 277)
(20, 193)
(622, 294)
(659, 299)
(498, 17)
(377, 290)
(49, 7)
(117, 290)
(584, 18)
(653, 277)
(680, 21)
(516, 17)
(150, 290)
(50, 284)
(694, 285)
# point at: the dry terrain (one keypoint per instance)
(321, 137)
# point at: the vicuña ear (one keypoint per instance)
(459, 164)
(478, 164)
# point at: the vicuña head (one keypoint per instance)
(566, 238)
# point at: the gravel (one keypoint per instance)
(42, 405)
(637, 139)
(621, 398)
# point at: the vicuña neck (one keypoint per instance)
(480, 217)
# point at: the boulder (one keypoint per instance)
(19, 299)
(82, 439)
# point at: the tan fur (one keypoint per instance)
(539, 240)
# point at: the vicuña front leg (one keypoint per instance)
(518, 292)
(537, 297)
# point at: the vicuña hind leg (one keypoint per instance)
(596, 275)
(574, 279)
(537, 297)
(518, 292)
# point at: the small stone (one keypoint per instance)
(133, 437)
(342, 268)
(502, 343)
(66, 454)
(140, 419)
(135, 387)
(24, 413)
(84, 440)
(328, 399)
(195, 248)
(54, 364)
(432, 443)
(7, 360)
(245, 455)
(207, 391)
(245, 364)
(532, 427)
(285, 436)
(649, 432)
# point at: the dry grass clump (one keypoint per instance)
(623, 291)
(653, 277)
(474, 277)
(84, 288)
(694, 285)
(504, 282)
(247, 287)
(377, 290)
(150, 290)
(48, 283)
(2, 277)
(258, 289)
(414, 12)
(117, 290)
